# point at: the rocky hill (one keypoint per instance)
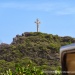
(40, 48)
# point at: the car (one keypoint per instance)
(67, 59)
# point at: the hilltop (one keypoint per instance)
(40, 48)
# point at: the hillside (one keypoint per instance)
(40, 48)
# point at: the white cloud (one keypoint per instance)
(28, 6)
(59, 8)
(66, 11)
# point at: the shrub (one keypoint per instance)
(27, 70)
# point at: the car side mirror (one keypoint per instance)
(67, 58)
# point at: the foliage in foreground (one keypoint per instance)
(30, 70)
(27, 70)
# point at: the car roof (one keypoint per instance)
(67, 47)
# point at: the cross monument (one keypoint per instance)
(37, 23)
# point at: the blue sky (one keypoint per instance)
(18, 16)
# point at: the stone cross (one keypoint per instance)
(37, 23)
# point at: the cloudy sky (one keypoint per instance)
(57, 17)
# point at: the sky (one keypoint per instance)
(57, 17)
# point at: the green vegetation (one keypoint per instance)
(40, 48)
(29, 69)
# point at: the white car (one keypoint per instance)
(67, 58)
